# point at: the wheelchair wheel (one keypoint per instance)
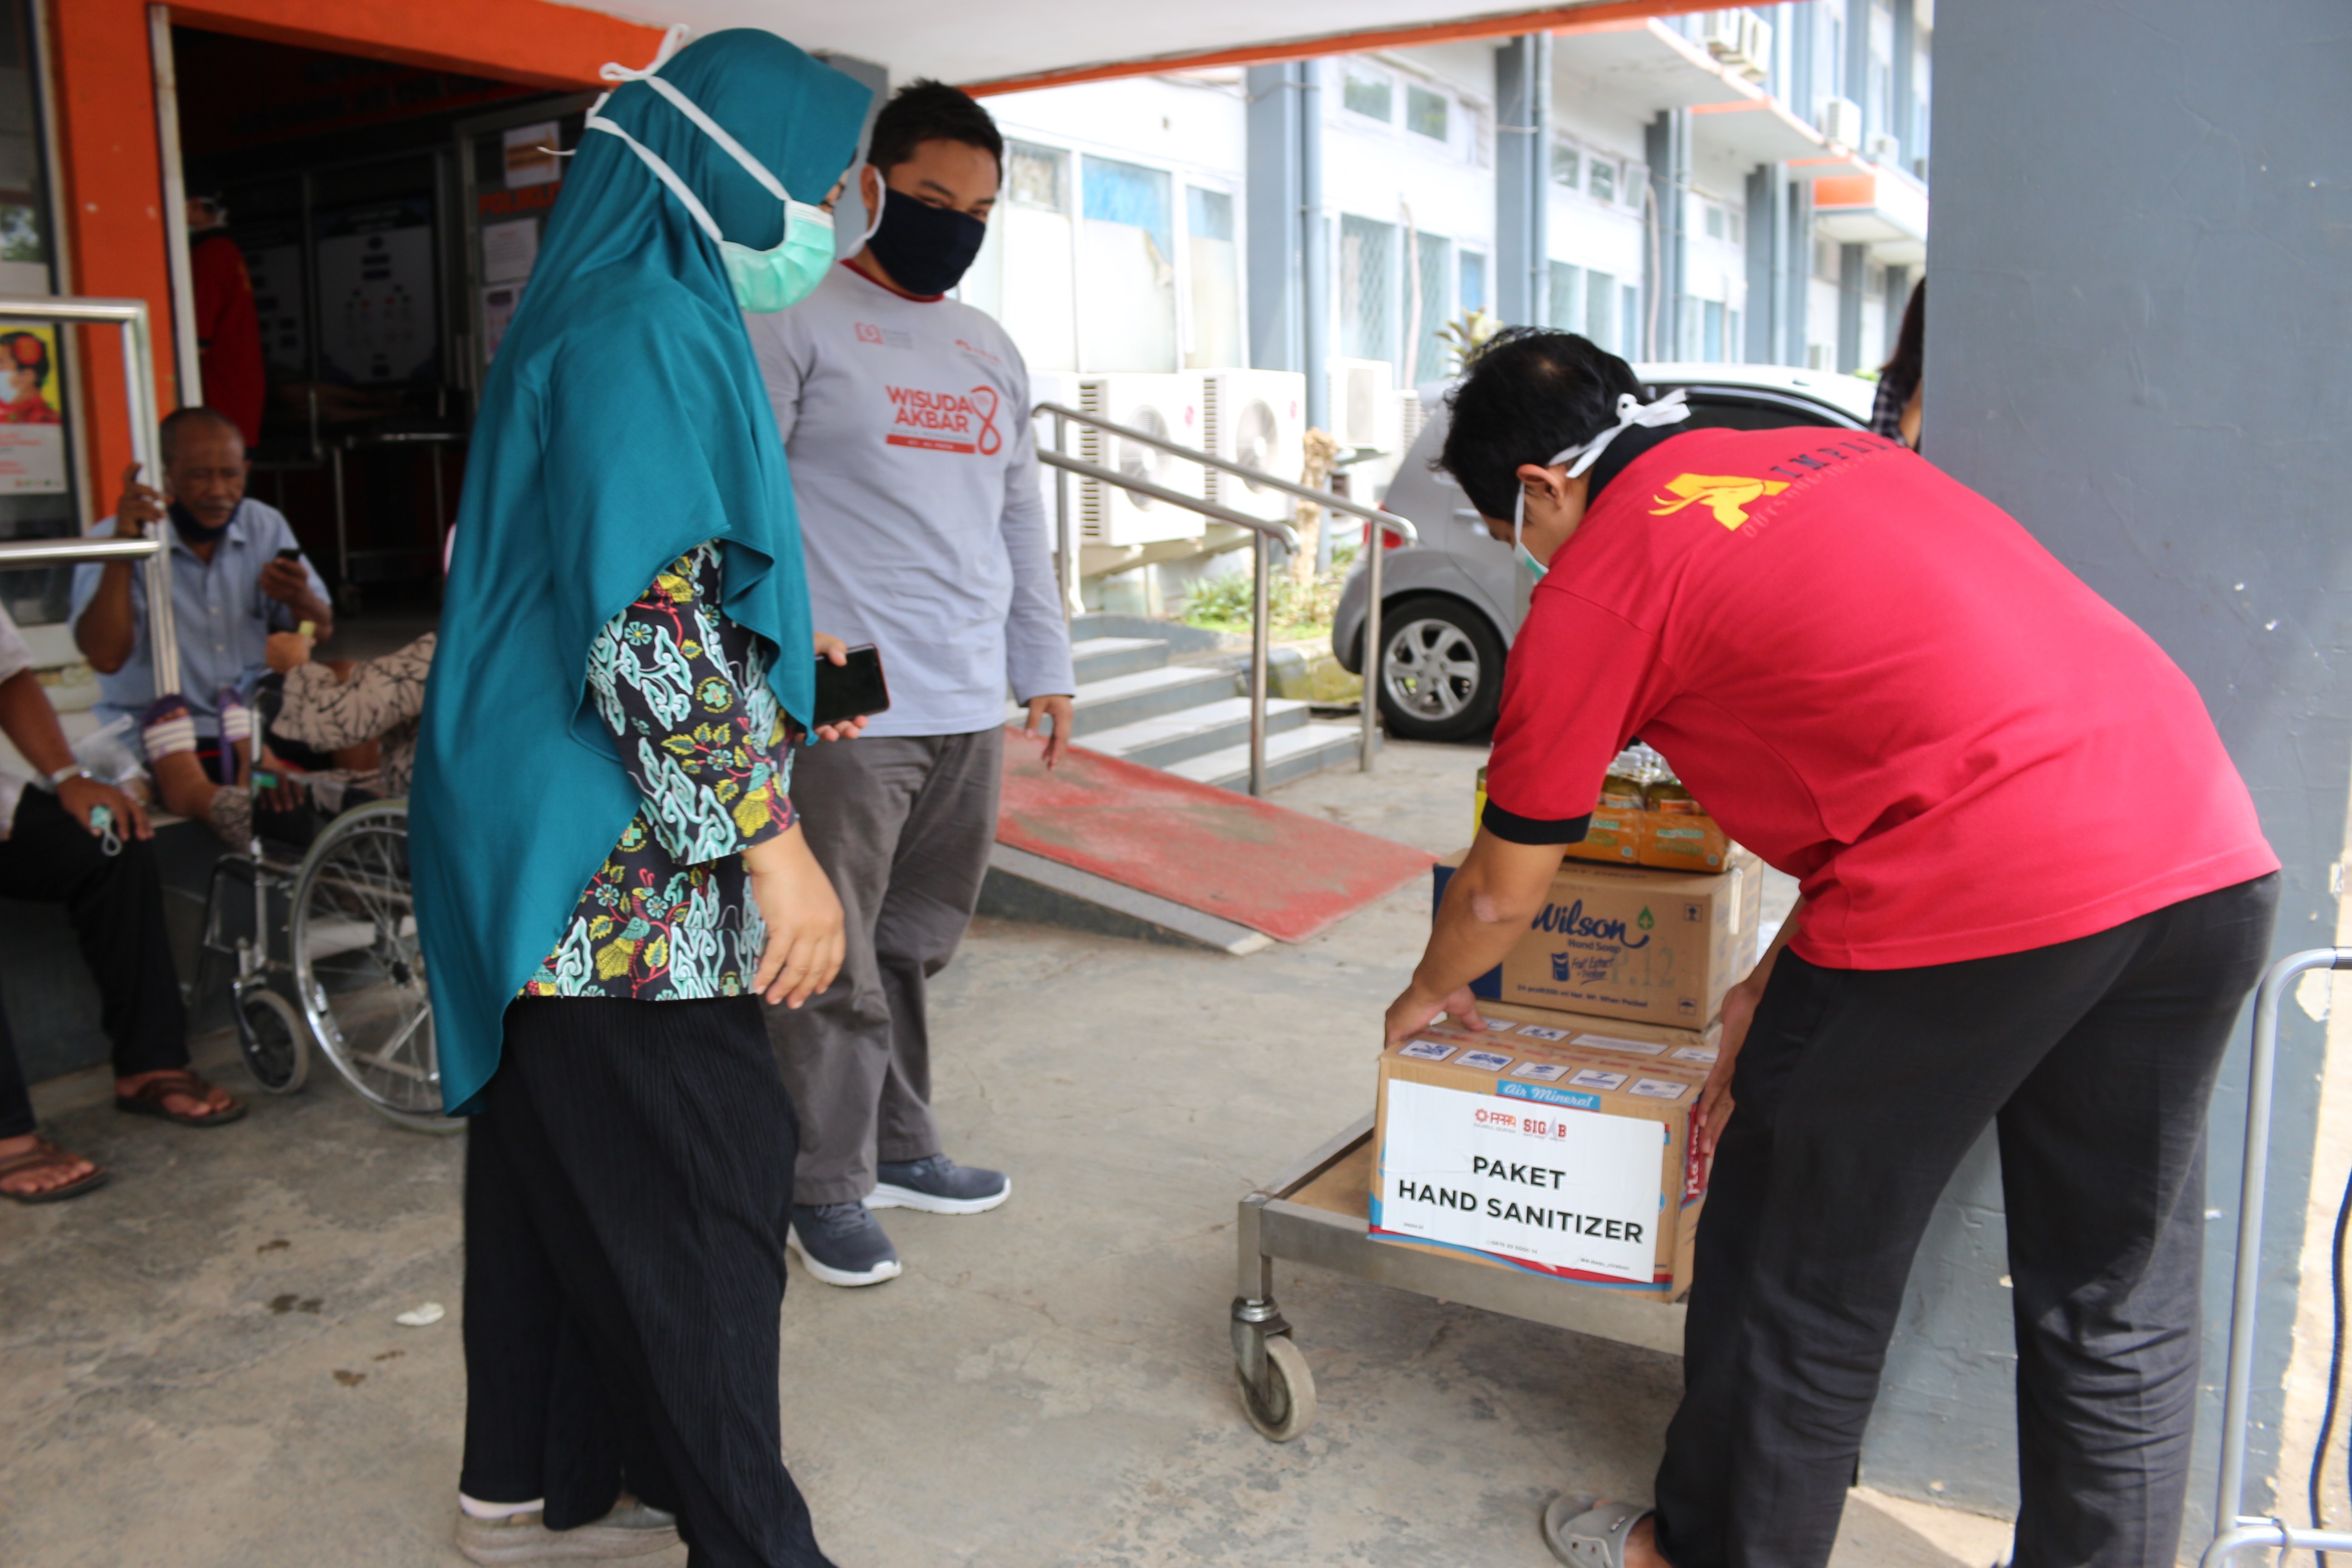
(273, 1039)
(359, 970)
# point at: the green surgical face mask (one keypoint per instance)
(764, 281)
(769, 280)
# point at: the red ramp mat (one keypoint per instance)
(1245, 860)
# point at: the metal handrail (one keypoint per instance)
(1368, 707)
(139, 392)
(2238, 1533)
(1401, 526)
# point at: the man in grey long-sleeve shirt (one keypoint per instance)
(905, 416)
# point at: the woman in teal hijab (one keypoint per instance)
(607, 867)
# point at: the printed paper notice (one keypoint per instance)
(1571, 1191)
(509, 249)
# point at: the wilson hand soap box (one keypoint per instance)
(1550, 1143)
(1619, 941)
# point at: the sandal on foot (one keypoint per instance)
(44, 1154)
(632, 1529)
(148, 1100)
(1584, 1532)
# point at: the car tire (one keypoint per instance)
(1440, 670)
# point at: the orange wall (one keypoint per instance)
(112, 199)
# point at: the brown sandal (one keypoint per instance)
(43, 1154)
(148, 1100)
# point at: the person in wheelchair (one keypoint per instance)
(339, 733)
(82, 843)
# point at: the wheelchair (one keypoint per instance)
(327, 958)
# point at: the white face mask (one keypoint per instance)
(763, 280)
(1631, 411)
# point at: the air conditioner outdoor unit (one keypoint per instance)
(1885, 149)
(1842, 120)
(1165, 405)
(1364, 404)
(1755, 46)
(1739, 38)
(1257, 417)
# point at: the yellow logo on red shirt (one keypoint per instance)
(1728, 496)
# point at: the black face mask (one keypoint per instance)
(193, 533)
(925, 249)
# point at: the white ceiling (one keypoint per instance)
(983, 40)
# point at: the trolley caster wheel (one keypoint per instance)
(273, 1040)
(1284, 1406)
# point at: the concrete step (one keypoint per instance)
(1193, 731)
(1145, 694)
(1308, 749)
(1100, 659)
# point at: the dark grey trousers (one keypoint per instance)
(1858, 1092)
(902, 825)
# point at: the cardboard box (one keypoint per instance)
(1619, 941)
(1668, 840)
(1552, 1143)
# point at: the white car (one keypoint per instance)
(1448, 605)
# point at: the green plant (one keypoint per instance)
(1294, 609)
(1468, 333)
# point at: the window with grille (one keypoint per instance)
(1432, 279)
(1567, 297)
(1473, 289)
(1601, 310)
(1368, 288)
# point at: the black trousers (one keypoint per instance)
(626, 1191)
(1857, 1093)
(116, 904)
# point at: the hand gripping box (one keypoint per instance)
(1551, 1143)
(1619, 941)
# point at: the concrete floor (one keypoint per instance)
(199, 1366)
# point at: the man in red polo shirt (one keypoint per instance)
(2035, 893)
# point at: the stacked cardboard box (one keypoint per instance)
(1620, 942)
(1630, 827)
(1563, 1140)
(1555, 1144)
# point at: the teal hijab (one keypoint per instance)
(623, 425)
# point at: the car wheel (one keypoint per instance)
(1441, 669)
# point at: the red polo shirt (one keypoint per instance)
(1877, 681)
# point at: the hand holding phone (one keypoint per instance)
(852, 690)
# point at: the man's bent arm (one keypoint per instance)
(107, 627)
(1488, 906)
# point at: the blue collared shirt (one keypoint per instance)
(223, 618)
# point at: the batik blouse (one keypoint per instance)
(669, 915)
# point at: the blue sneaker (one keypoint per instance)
(842, 1244)
(938, 1185)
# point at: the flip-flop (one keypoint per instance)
(148, 1100)
(1584, 1532)
(44, 1153)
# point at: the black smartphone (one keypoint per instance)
(289, 553)
(847, 690)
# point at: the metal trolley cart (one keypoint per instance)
(1319, 1211)
(2238, 1533)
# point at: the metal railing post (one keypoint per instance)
(139, 398)
(1261, 566)
(1065, 559)
(2237, 1386)
(1372, 662)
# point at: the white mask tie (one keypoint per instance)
(1631, 412)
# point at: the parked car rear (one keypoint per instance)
(1449, 605)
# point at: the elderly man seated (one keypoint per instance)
(238, 575)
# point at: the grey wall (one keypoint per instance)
(2138, 345)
